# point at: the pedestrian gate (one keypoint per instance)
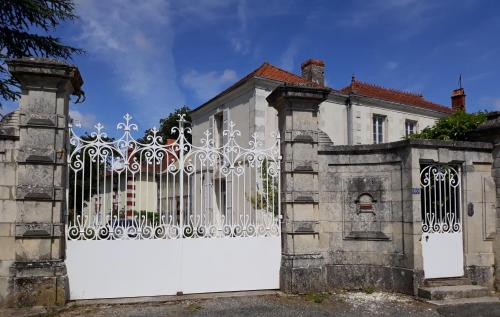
(441, 201)
(151, 217)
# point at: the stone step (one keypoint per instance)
(452, 292)
(447, 282)
(463, 301)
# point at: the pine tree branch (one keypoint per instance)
(44, 14)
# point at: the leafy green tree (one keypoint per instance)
(454, 127)
(166, 125)
(24, 31)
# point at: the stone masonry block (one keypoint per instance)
(5, 229)
(7, 248)
(5, 266)
(41, 175)
(8, 174)
(8, 211)
(37, 211)
(33, 249)
(305, 182)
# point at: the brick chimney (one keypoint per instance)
(314, 70)
(458, 99)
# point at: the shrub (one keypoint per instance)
(454, 127)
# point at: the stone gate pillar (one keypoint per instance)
(302, 267)
(32, 259)
(489, 131)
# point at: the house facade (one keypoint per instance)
(360, 113)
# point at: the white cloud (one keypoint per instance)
(135, 39)
(289, 56)
(391, 65)
(85, 120)
(207, 85)
(239, 38)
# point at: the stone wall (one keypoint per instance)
(490, 132)
(33, 141)
(328, 242)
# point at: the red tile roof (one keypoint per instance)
(393, 95)
(272, 72)
(266, 71)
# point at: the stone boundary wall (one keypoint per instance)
(382, 248)
(328, 243)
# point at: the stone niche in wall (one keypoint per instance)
(365, 205)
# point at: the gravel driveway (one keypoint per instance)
(344, 304)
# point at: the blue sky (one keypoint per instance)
(149, 57)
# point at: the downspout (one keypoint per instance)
(348, 104)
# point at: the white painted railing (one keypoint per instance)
(440, 199)
(125, 188)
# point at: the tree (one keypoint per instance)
(166, 125)
(19, 22)
(454, 127)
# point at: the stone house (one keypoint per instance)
(360, 113)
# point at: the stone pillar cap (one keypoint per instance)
(46, 67)
(303, 91)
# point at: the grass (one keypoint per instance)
(369, 290)
(317, 297)
(194, 307)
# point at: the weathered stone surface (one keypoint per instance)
(39, 284)
(358, 213)
(451, 292)
(369, 276)
(32, 187)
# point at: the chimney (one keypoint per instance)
(314, 70)
(458, 99)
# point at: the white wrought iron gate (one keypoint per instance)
(162, 217)
(442, 240)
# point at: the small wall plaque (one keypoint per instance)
(415, 191)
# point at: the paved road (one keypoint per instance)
(338, 305)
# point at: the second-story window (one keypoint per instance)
(410, 127)
(378, 129)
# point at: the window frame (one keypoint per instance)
(413, 124)
(378, 128)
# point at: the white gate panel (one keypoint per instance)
(442, 236)
(133, 268)
(122, 268)
(443, 255)
(223, 265)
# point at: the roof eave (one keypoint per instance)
(398, 104)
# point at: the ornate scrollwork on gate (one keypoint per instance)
(440, 199)
(125, 188)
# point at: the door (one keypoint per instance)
(442, 239)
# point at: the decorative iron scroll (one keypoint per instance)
(440, 199)
(167, 189)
